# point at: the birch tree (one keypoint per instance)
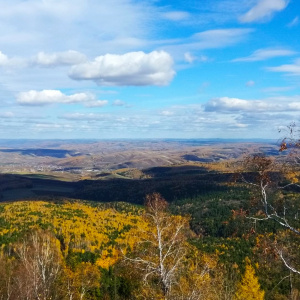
(7, 267)
(79, 282)
(40, 266)
(270, 178)
(164, 258)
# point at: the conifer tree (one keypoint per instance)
(249, 287)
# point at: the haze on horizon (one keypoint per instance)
(148, 69)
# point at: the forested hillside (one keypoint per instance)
(83, 250)
(223, 230)
(75, 250)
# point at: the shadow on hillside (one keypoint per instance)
(157, 172)
(172, 182)
(56, 153)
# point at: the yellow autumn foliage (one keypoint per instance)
(249, 287)
(292, 176)
(80, 226)
(85, 236)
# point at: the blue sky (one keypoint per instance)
(148, 69)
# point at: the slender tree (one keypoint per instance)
(249, 287)
(7, 267)
(39, 266)
(269, 179)
(169, 266)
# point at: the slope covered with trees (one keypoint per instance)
(227, 230)
(76, 250)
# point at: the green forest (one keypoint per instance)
(223, 231)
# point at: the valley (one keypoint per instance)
(78, 193)
(116, 170)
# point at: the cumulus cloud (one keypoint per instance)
(6, 61)
(59, 58)
(43, 59)
(133, 68)
(47, 97)
(263, 10)
(264, 54)
(291, 69)
(227, 104)
(236, 105)
(3, 59)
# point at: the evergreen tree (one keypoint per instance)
(249, 287)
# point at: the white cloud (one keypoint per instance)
(294, 22)
(227, 104)
(176, 15)
(241, 125)
(269, 105)
(97, 103)
(64, 24)
(188, 57)
(167, 113)
(276, 89)
(6, 61)
(133, 68)
(291, 69)
(263, 10)
(51, 126)
(202, 58)
(84, 117)
(47, 97)
(219, 38)
(3, 59)
(250, 83)
(7, 114)
(59, 58)
(294, 105)
(264, 54)
(119, 102)
(209, 39)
